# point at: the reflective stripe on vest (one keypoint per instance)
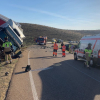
(63, 48)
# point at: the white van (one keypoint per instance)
(95, 41)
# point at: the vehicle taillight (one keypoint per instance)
(99, 54)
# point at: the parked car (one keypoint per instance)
(67, 46)
(59, 41)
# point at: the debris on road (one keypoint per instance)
(6, 74)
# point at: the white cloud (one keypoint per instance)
(41, 11)
(75, 23)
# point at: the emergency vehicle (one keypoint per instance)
(42, 40)
(95, 41)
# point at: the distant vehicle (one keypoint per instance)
(70, 41)
(59, 41)
(54, 40)
(76, 41)
(67, 46)
(95, 41)
(42, 40)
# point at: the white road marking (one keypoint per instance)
(34, 93)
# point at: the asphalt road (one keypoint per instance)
(54, 78)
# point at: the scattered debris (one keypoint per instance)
(6, 74)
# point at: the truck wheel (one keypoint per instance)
(75, 57)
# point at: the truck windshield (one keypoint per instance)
(41, 39)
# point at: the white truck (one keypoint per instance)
(13, 30)
(95, 41)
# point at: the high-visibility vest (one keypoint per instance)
(55, 47)
(89, 51)
(63, 48)
(7, 46)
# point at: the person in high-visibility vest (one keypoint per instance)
(7, 49)
(63, 50)
(88, 52)
(55, 48)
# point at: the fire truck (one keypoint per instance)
(41, 40)
(95, 41)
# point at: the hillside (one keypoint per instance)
(32, 30)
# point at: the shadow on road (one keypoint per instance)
(20, 72)
(64, 82)
(45, 57)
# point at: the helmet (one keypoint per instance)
(89, 44)
(6, 38)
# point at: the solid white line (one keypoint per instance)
(34, 93)
(28, 58)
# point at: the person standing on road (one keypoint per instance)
(88, 52)
(72, 48)
(55, 48)
(7, 49)
(62, 45)
(63, 50)
(69, 48)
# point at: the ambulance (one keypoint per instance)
(79, 51)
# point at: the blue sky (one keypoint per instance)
(63, 14)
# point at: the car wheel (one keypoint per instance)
(75, 57)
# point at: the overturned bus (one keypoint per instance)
(14, 32)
